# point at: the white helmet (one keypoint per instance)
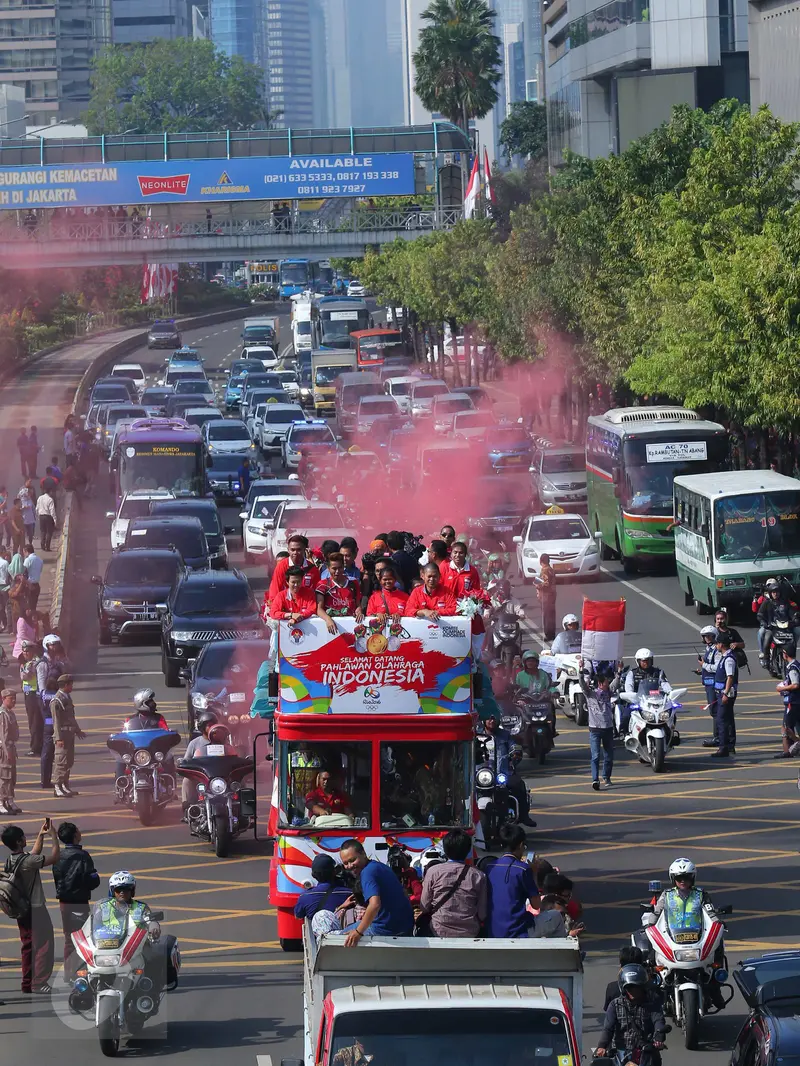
(143, 698)
(569, 620)
(682, 868)
(643, 653)
(122, 879)
(709, 631)
(430, 857)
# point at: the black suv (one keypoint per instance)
(171, 531)
(132, 596)
(204, 606)
(225, 672)
(164, 335)
(770, 985)
(206, 511)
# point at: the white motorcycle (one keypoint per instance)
(688, 959)
(652, 730)
(569, 694)
(127, 970)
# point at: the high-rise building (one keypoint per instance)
(318, 47)
(534, 55)
(237, 28)
(289, 74)
(616, 69)
(136, 21)
(774, 34)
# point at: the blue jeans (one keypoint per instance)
(602, 738)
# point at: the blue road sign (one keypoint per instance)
(207, 180)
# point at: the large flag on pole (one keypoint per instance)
(603, 630)
(473, 190)
(487, 177)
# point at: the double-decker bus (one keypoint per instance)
(294, 276)
(160, 453)
(633, 455)
(334, 318)
(374, 346)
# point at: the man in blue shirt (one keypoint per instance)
(326, 895)
(388, 910)
(512, 886)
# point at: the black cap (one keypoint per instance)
(323, 868)
(724, 639)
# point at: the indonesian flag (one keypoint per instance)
(158, 280)
(603, 630)
(473, 190)
(487, 175)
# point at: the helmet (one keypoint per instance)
(206, 718)
(503, 589)
(682, 868)
(430, 857)
(122, 879)
(643, 653)
(633, 974)
(143, 698)
(218, 734)
(772, 583)
(709, 631)
(569, 620)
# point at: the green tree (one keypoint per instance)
(524, 131)
(458, 62)
(179, 86)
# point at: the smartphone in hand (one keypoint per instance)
(46, 826)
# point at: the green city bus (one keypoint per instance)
(633, 454)
(732, 532)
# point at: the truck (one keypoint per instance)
(326, 366)
(301, 322)
(419, 1001)
(261, 330)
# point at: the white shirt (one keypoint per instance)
(34, 565)
(5, 577)
(46, 505)
(69, 442)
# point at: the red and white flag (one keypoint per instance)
(487, 177)
(473, 190)
(603, 630)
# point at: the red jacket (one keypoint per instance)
(462, 583)
(442, 600)
(284, 605)
(340, 599)
(278, 583)
(396, 601)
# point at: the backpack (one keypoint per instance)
(15, 900)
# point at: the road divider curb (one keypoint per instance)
(59, 574)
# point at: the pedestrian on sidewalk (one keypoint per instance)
(546, 591)
(35, 929)
(75, 879)
(26, 632)
(601, 723)
(65, 730)
(48, 743)
(27, 499)
(46, 511)
(33, 451)
(30, 660)
(23, 446)
(5, 529)
(34, 565)
(17, 525)
(9, 735)
(5, 588)
(69, 443)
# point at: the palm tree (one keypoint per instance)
(458, 60)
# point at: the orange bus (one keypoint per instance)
(373, 346)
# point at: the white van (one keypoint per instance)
(301, 325)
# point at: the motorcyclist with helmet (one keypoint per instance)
(640, 680)
(775, 601)
(120, 902)
(507, 756)
(146, 716)
(634, 1021)
(568, 641)
(211, 732)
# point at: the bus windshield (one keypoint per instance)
(294, 273)
(153, 465)
(647, 484)
(338, 325)
(757, 525)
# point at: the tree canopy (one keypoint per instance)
(524, 131)
(179, 86)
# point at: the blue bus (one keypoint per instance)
(294, 276)
(334, 318)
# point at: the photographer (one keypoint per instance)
(405, 565)
(327, 894)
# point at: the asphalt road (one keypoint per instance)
(240, 996)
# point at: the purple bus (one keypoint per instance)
(160, 453)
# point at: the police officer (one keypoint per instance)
(707, 670)
(726, 682)
(789, 688)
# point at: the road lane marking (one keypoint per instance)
(646, 596)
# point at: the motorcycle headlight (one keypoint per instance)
(484, 778)
(664, 716)
(571, 671)
(142, 757)
(108, 960)
(688, 955)
(650, 716)
(126, 757)
(200, 701)
(159, 756)
(217, 785)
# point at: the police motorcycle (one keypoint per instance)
(224, 808)
(686, 947)
(146, 787)
(127, 965)
(652, 730)
(496, 805)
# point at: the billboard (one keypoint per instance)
(411, 667)
(207, 181)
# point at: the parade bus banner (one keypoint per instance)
(414, 666)
(207, 180)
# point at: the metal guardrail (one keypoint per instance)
(53, 226)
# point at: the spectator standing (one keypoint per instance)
(546, 591)
(5, 531)
(512, 886)
(35, 929)
(33, 569)
(5, 588)
(454, 895)
(26, 633)
(9, 735)
(29, 663)
(389, 911)
(18, 595)
(75, 879)
(48, 744)
(33, 451)
(23, 445)
(46, 512)
(65, 729)
(16, 521)
(328, 893)
(27, 500)
(70, 445)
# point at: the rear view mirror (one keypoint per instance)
(598, 535)
(111, 515)
(96, 579)
(157, 916)
(517, 540)
(185, 674)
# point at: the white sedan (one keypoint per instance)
(135, 504)
(566, 538)
(258, 524)
(316, 520)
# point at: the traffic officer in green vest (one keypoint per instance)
(121, 903)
